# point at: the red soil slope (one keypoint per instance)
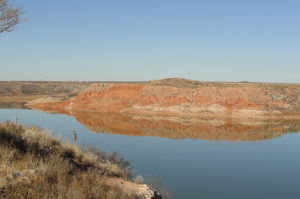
(184, 97)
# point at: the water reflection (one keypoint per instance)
(176, 127)
(191, 168)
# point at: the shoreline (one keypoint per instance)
(38, 165)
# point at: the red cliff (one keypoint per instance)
(184, 97)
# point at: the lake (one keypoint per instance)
(196, 158)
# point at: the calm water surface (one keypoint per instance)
(194, 168)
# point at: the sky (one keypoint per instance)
(140, 40)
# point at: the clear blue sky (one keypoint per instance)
(127, 40)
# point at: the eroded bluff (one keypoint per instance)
(183, 97)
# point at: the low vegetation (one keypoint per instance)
(34, 164)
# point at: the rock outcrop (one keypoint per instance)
(184, 97)
(143, 191)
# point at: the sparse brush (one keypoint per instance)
(35, 164)
(139, 179)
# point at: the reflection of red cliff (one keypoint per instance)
(184, 127)
(211, 99)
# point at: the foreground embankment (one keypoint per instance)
(34, 164)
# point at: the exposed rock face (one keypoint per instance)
(185, 97)
(141, 190)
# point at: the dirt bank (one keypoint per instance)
(183, 97)
(34, 164)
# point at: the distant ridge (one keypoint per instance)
(178, 96)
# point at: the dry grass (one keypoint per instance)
(34, 164)
(187, 83)
(16, 94)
